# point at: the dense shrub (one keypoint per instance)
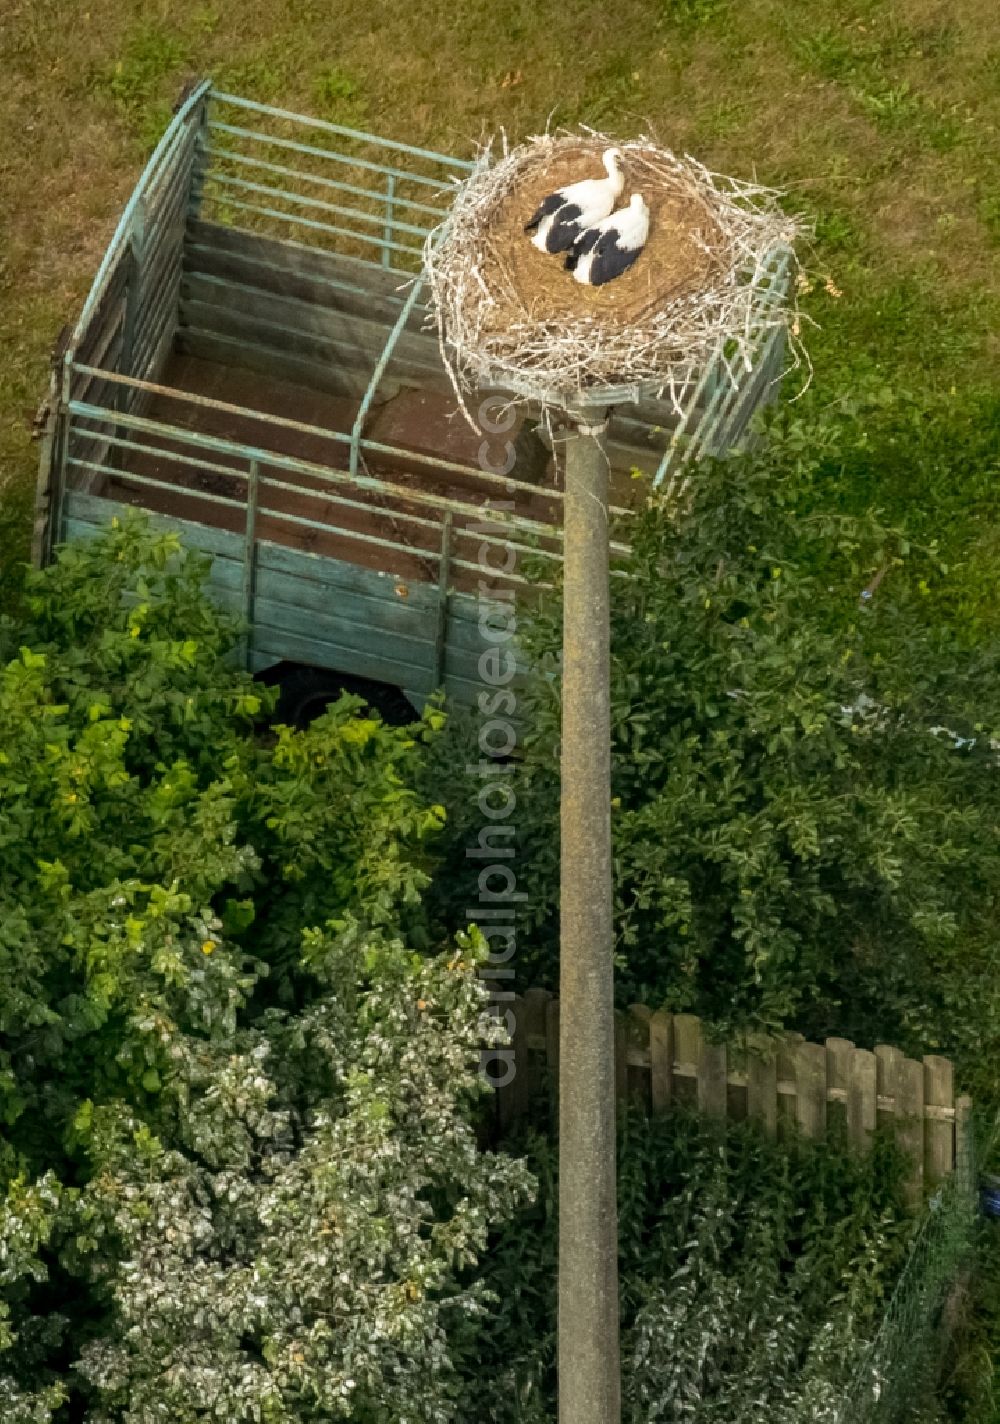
(238, 1161)
(752, 1275)
(805, 793)
(237, 1045)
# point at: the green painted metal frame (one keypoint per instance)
(719, 428)
(127, 246)
(314, 609)
(268, 459)
(121, 235)
(379, 372)
(99, 397)
(708, 431)
(393, 173)
(250, 559)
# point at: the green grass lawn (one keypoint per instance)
(880, 121)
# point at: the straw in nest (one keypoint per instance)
(511, 317)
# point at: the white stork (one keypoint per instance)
(564, 214)
(608, 248)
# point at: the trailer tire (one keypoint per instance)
(306, 692)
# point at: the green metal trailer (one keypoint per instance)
(254, 368)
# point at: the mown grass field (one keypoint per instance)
(880, 120)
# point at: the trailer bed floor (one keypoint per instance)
(338, 531)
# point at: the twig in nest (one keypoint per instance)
(510, 316)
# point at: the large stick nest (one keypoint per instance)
(512, 317)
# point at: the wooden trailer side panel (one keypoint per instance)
(325, 612)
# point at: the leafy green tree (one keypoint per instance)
(805, 794)
(282, 1264)
(144, 823)
(238, 1105)
(28, 1214)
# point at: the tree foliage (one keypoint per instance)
(805, 787)
(239, 1175)
(284, 1263)
(752, 1277)
(239, 1169)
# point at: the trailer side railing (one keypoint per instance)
(313, 207)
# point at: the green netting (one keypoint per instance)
(895, 1376)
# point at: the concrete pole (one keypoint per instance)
(589, 1372)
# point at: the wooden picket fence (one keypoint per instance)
(663, 1058)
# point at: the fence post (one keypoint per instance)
(712, 1079)
(687, 1047)
(810, 1088)
(62, 435)
(510, 1098)
(862, 1099)
(536, 1002)
(910, 1123)
(788, 1047)
(762, 1090)
(965, 1165)
(199, 162)
(521, 1086)
(390, 193)
(661, 1060)
(133, 291)
(939, 1112)
(886, 1058)
(839, 1052)
(250, 563)
(441, 632)
(637, 1051)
